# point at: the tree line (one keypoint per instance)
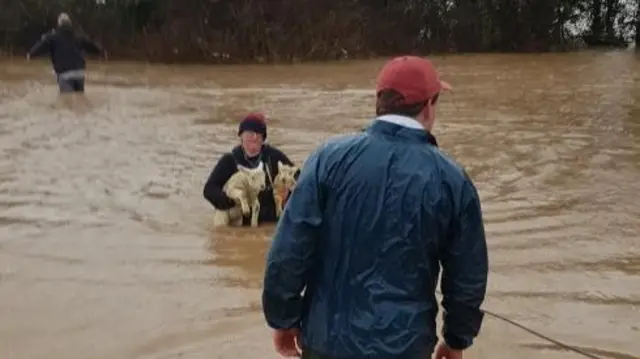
(231, 31)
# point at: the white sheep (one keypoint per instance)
(243, 187)
(283, 183)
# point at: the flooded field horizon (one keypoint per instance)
(106, 243)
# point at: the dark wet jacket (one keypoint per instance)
(65, 48)
(372, 219)
(228, 165)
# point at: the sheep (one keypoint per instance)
(283, 183)
(243, 187)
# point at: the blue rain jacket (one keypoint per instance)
(373, 218)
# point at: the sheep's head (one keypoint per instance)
(286, 176)
(255, 177)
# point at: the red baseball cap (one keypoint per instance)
(415, 78)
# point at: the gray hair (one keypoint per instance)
(64, 19)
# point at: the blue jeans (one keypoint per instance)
(67, 85)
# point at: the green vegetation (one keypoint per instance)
(226, 31)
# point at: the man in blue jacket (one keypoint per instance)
(372, 219)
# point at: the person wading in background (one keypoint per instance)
(372, 220)
(66, 49)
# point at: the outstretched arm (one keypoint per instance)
(41, 47)
(91, 46)
(465, 271)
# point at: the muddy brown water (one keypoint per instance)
(106, 245)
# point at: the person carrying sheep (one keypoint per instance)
(251, 151)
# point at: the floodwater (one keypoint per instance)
(106, 244)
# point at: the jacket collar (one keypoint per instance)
(403, 127)
(403, 121)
